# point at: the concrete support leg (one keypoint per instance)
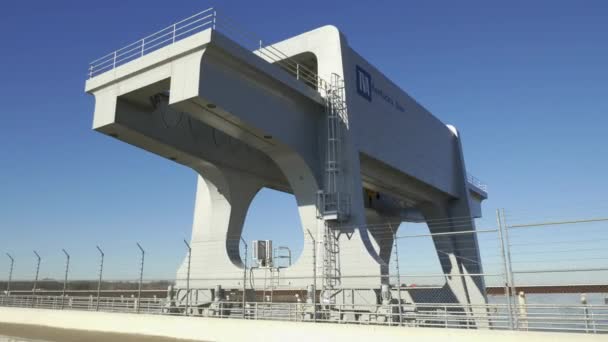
(382, 230)
(223, 197)
(459, 258)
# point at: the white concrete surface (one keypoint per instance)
(243, 124)
(214, 329)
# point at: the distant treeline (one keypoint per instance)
(85, 285)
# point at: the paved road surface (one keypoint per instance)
(26, 333)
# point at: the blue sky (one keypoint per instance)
(525, 82)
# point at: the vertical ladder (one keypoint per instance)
(331, 265)
(270, 284)
(274, 281)
(333, 201)
(331, 259)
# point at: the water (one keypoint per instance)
(544, 317)
(556, 298)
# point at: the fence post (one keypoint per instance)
(505, 269)
(509, 263)
(114, 60)
(141, 276)
(100, 277)
(37, 272)
(10, 274)
(65, 279)
(314, 275)
(585, 311)
(188, 277)
(398, 273)
(214, 18)
(174, 31)
(523, 309)
(244, 276)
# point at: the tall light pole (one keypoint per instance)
(10, 274)
(65, 279)
(37, 273)
(141, 276)
(188, 278)
(314, 274)
(244, 275)
(101, 253)
(396, 247)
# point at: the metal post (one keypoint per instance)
(398, 273)
(141, 276)
(174, 31)
(244, 276)
(65, 279)
(523, 309)
(100, 277)
(585, 311)
(214, 18)
(91, 71)
(114, 61)
(37, 272)
(143, 46)
(10, 274)
(188, 278)
(314, 275)
(509, 262)
(505, 269)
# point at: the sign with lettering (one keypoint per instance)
(365, 88)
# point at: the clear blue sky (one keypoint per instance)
(526, 82)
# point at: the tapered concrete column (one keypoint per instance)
(459, 256)
(223, 197)
(382, 229)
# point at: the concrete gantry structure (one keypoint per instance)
(355, 150)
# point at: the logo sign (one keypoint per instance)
(364, 84)
(365, 88)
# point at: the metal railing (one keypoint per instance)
(570, 318)
(477, 182)
(201, 21)
(517, 256)
(167, 36)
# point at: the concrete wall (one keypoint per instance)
(218, 91)
(217, 329)
(392, 127)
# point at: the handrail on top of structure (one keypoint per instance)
(477, 182)
(200, 21)
(154, 41)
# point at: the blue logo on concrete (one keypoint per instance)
(364, 84)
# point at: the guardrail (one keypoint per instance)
(477, 183)
(169, 35)
(201, 21)
(565, 318)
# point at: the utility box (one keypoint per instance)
(262, 252)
